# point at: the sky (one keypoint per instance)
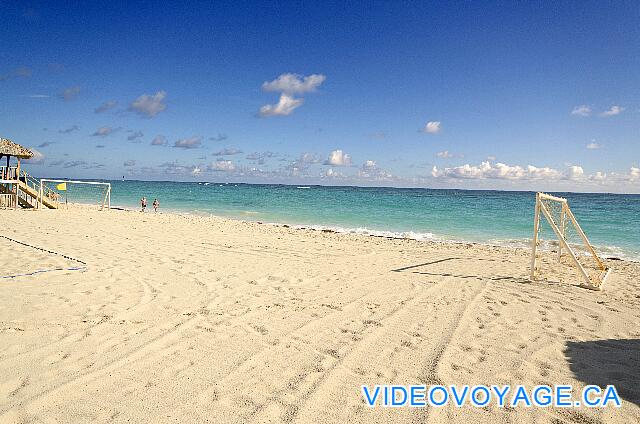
(523, 96)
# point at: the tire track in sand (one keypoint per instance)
(396, 352)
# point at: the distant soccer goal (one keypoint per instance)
(573, 246)
(64, 192)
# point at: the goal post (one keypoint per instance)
(104, 196)
(561, 219)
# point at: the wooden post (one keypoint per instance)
(40, 196)
(104, 199)
(562, 229)
(536, 227)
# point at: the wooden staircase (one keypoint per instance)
(28, 189)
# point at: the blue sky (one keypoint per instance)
(434, 94)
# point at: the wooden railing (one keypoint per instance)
(50, 195)
(7, 201)
(8, 173)
(32, 195)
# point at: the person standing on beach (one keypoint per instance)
(143, 203)
(156, 205)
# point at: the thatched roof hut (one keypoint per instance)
(9, 148)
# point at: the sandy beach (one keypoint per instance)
(119, 316)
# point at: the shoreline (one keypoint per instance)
(365, 232)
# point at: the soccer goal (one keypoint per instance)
(573, 246)
(64, 192)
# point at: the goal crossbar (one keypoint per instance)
(541, 209)
(106, 200)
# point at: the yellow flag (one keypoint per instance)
(61, 186)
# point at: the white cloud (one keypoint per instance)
(445, 154)
(593, 145)
(227, 152)
(308, 158)
(174, 168)
(338, 158)
(37, 157)
(432, 127)
(582, 110)
(332, 174)
(104, 131)
(575, 172)
(69, 130)
(70, 93)
(613, 111)
(196, 171)
(487, 170)
(219, 137)
(285, 106)
(259, 156)
(21, 72)
(149, 105)
(222, 165)
(614, 178)
(370, 170)
(302, 163)
(289, 85)
(370, 164)
(129, 163)
(106, 106)
(188, 143)
(294, 83)
(540, 173)
(159, 140)
(135, 135)
(81, 163)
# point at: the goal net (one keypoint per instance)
(556, 230)
(91, 194)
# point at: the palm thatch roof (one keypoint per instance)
(9, 148)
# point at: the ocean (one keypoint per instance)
(611, 221)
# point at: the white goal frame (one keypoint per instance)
(107, 197)
(566, 215)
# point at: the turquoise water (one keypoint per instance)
(612, 221)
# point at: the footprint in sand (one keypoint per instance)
(261, 329)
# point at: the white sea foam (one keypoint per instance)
(522, 243)
(369, 232)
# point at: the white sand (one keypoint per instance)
(192, 319)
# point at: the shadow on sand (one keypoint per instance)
(604, 362)
(414, 270)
